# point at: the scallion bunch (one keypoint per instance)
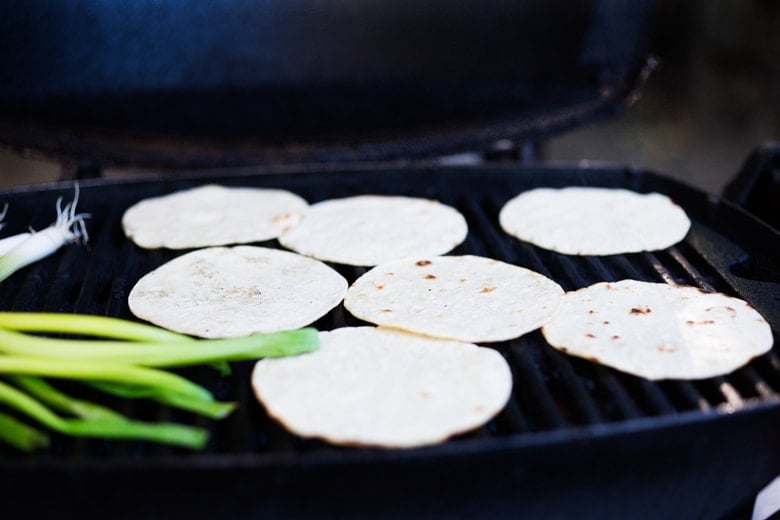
(122, 358)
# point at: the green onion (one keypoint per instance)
(69, 227)
(126, 391)
(50, 396)
(8, 243)
(166, 433)
(121, 358)
(103, 371)
(21, 436)
(86, 325)
(169, 354)
(213, 410)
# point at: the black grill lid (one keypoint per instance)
(169, 83)
(576, 439)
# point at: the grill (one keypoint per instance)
(576, 439)
(348, 87)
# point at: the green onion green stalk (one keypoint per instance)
(121, 358)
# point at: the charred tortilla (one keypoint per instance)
(467, 298)
(369, 386)
(659, 331)
(229, 292)
(594, 221)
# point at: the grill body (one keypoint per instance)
(576, 439)
(165, 84)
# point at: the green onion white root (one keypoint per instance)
(19, 251)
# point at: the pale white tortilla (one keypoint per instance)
(228, 292)
(594, 221)
(212, 215)
(367, 230)
(467, 298)
(385, 388)
(659, 331)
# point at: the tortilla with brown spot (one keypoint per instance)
(659, 331)
(467, 298)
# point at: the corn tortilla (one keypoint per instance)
(467, 298)
(368, 386)
(367, 230)
(211, 215)
(229, 292)
(594, 221)
(659, 331)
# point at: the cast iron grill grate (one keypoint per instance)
(552, 393)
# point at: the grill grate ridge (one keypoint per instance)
(531, 390)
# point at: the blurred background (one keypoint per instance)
(714, 98)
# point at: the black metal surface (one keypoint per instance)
(756, 187)
(576, 439)
(169, 83)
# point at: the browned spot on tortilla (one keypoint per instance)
(702, 322)
(666, 348)
(429, 277)
(379, 286)
(640, 310)
(386, 310)
(279, 218)
(487, 289)
(594, 359)
(605, 322)
(422, 263)
(462, 280)
(389, 274)
(564, 349)
(589, 335)
(615, 337)
(592, 311)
